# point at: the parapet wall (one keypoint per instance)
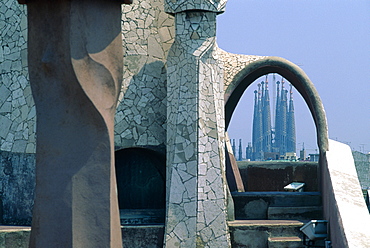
(273, 175)
(344, 205)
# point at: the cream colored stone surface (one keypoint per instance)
(234, 63)
(353, 215)
(196, 185)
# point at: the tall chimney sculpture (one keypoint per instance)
(196, 185)
(75, 58)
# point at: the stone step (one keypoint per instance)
(285, 242)
(295, 213)
(14, 236)
(254, 205)
(141, 216)
(140, 236)
(255, 233)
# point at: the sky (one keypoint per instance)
(329, 40)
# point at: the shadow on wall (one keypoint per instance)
(141, 113)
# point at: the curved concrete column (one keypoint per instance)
(75, 62)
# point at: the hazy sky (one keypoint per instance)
(329, 40)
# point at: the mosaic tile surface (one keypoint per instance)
(196, 190)
(148, 33)
(17, 110)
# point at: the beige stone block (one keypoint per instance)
(154, 48)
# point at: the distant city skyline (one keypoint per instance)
(329, 40)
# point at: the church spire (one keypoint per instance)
(234, 148)
(280, 119)
(277, 119)
(283, 117)
(254, 125)
(240, 150)
(266, 139)
(266, 123)
(291, 135)
(262, 91)
(257, 135)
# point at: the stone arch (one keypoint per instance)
(141, 178)
(295, 75)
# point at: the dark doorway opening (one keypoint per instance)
(141, 183)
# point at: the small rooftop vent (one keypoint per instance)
(315, 230)
(294, 187)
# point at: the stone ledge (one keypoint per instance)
(267, 223)
(286, 242)
(140, 236)
(14, 236)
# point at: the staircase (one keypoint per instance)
(272, 219)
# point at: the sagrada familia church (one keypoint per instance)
(270, 143)
(113, 120)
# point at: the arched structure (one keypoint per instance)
(294, 75)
